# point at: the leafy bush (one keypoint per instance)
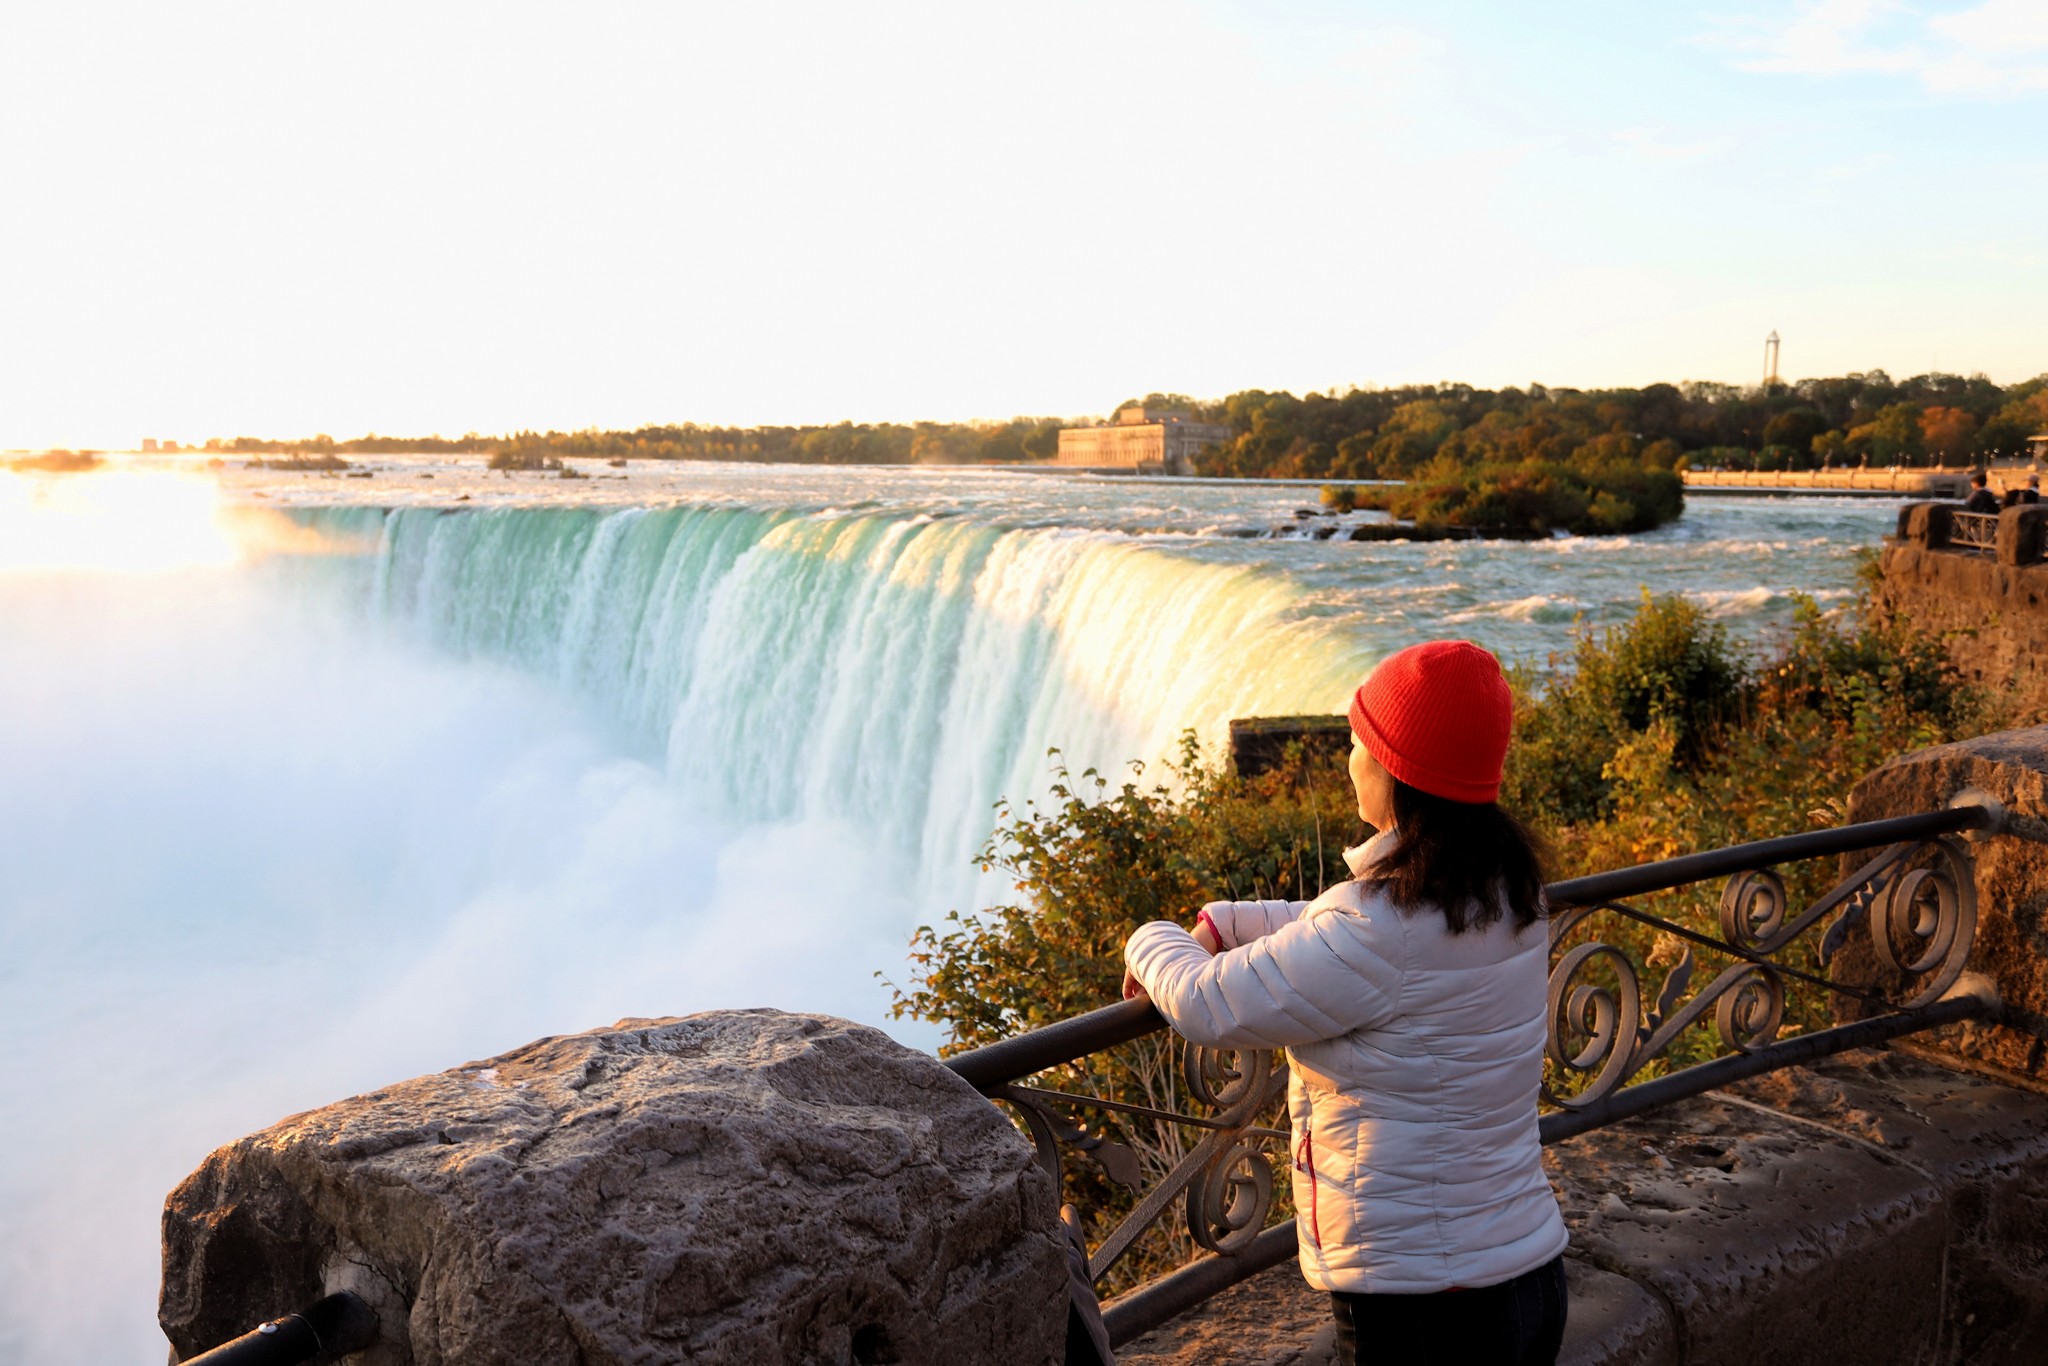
(1092, 866)
(1095, 864)
(1671, 665)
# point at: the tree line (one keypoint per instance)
(1017, 441)
(1857, 419)
(1866, 418)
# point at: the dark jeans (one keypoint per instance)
(1516, 1323)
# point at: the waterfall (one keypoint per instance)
(899, 672)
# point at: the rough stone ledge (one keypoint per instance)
(733, 1187)
(2012, 890)
(1871, 1208)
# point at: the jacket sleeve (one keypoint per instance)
(1320, 976)
(1240, 922)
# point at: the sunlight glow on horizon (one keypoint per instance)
(131, 522)
(277, 222)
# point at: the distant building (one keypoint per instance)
(1149, 442)
(149, 445)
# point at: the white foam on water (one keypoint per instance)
(1538, 607)
(257, 862)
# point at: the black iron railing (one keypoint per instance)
(327, 1329)
(1913, 901)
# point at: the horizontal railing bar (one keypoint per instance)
(1023, 1055)
(1644, 1096)
(1737, 858)
(1026, 1054)
(1156, 1302)
(1140, 1311)
(336, 1326)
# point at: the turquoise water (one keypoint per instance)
(466, 772)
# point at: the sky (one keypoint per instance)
(276, 220)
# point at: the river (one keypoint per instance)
(427, 764)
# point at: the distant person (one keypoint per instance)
(2032, 492)
(1411, 1001)
(1981, 498)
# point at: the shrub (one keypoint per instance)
(1092, 866)
(1670, 665)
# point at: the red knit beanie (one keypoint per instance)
(1437, 717)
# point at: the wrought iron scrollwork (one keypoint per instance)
(1916, 899)
(1223, 1078)
(1225, 1179)
(1933, 910)
(1229, 1201)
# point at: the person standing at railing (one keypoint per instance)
(1411, 1002)
(1981, 498)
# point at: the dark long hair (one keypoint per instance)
(1467, 859)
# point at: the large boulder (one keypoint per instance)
(740, 1186)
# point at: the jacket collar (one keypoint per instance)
(1360, 857)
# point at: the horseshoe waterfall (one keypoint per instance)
(900, 674)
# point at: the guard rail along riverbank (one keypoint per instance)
(1911, 898)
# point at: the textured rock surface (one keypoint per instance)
(2012, 887)
(741, 1186)
(1873, 1208)
(1994, 614)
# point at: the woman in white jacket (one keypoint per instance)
(1410, 1001)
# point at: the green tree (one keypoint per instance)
(1895, 435)
(1795, 428)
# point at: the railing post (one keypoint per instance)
(2020, 533)
(1925, 523)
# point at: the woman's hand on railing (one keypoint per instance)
(1204, 934)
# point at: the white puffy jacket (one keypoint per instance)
(1416, 1056)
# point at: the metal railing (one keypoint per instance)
(1973, 531)
(327, 1329)
(1913, 901)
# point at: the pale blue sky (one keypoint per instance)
(264, 219)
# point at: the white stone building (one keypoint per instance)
(1148, 442)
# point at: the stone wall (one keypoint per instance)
(2011, 878)
(1259, 744)
(1991, 605)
